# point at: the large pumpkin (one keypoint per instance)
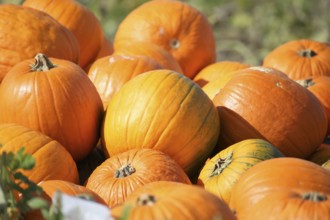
(172, 200)
(110, 73)
(263, 103)
(120, 175)
(175, 26)
(276, 175)
(221, 172)
(79, 20)
(300, 59)
(26, 32)
(52, 160)
(56, 97)
(166, 111)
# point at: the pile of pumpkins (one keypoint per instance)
(153, 126)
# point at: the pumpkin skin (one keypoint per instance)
(287, 205)
(120, 175)
(263, 103)
(275, 175)
(221, 172)
(52, 160)
(319, 86)
(172, 200)
(300, 59)
(321, 155)
(79, 20)
(110, 73)
(60, 102)
(166, 111)
(175, 26)
(157, 53)
(213, 71)
(35, 32)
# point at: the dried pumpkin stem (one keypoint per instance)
(315, 196)
(42, 63)
(307, 53)
(125, 171)
(221, 164)
(146, 200)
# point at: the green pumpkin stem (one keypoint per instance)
(307, 53)
(315, 196)
(42, 63)
(124, 171)
(221, 164)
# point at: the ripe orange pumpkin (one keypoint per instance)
(221, 172)
(215, 70)
(120, 175)
(300, 59)
(264, 103)
(166, 111)
(275, 175)
(26, 32)
(175, 26)
(157, 53)
(52, 160)
(110, 73)
(79, 20)
(319, 86)
(172, 200)
(56, 97)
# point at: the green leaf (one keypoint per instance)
(38, 203)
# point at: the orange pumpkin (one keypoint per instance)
(110, 73)
(172, 200)
(276, 175)
(120, 175)
(319, 86)
(157, 53)
(263, 103)
(175, 26)
(56, 97)
(52, 160)
(26, 32)
(214, 71)
(300, 59)
(79, 20)
(166, 111)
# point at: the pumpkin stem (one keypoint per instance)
(305, 82)
(124, 171)
(146, 200)
(307, 53)
(221, 164)
(315, 196)
(42, 63)
(175, 43)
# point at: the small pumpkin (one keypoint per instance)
(166, 111)
(172, 200)
(55, 97)
(300, 59)
(221, 172)
(52, 160)
(121, 174)
(177, 27)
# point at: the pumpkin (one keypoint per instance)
(300, 59)
(321, 155)
(120, 175)
(276, 175)
(166, 111)
(213, 71)
(263, 103)
(69, 188)
(106, 49)
(319, 86)
(55, 97)
(110, 73)
(157, 53)
(289, 204)
(52, 160)
(177, 27)
(172, 200)
(221, 172)
(26, 32)
(79, 20)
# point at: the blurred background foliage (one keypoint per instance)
(245, 30)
